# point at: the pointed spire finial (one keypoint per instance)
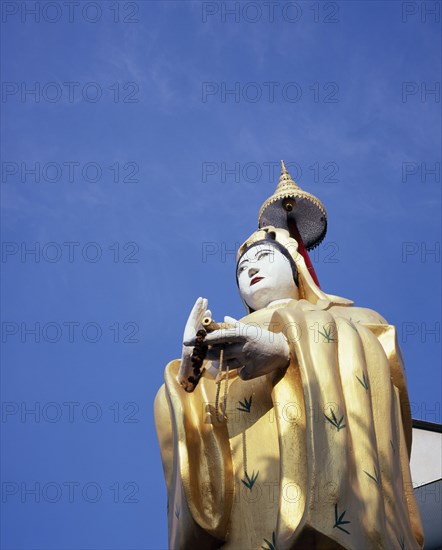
(305, 208)
(285, 179)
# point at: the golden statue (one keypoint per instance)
(290, 428)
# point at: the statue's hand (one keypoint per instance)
(252, 350)
(193, 324)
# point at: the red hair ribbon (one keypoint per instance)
(294, 232)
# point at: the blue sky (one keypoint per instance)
(149, 177)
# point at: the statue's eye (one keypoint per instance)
(262, 255)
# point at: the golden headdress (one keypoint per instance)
(290, 206)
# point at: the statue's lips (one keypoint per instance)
(255, 280)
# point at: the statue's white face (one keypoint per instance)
(265, 275)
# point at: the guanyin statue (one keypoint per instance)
(291, 427)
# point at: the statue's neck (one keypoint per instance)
(280, 302)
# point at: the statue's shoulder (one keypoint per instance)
(359, 315)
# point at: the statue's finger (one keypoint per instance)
(233, 364)
(189, 340)
(231, 320)
(195, 318)
(201, 311)
(224, 336)
(233, 351)
(195, 310)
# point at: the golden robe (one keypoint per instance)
(314, 456)
(330, 438)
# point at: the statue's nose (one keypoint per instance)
(253, 271)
